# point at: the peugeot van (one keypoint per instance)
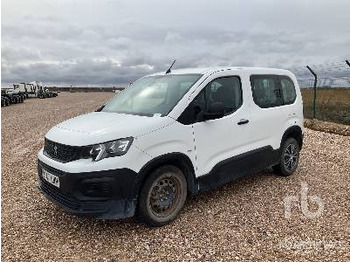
(172, 135)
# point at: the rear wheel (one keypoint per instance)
(289, 158)
(162, 196)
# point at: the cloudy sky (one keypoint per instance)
(110, 42)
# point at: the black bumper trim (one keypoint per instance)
(119, 203)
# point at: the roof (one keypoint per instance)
(209, 70)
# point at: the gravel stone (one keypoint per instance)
(241, 221)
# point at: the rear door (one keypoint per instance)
(267, 113)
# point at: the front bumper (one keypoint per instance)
(103, 194)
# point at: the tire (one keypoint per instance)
(289, 158)
(162, 196)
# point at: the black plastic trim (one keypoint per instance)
(239, 166)
(295, 132)
(179, 160)
(115, 201)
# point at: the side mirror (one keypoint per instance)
(215, 110)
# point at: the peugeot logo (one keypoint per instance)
(55, 150)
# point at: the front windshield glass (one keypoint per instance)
(152, 95)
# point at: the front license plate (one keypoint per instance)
(52, 179)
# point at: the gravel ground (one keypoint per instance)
(242, 221)
(328, 127)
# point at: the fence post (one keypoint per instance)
(315, 85)
(347, 62)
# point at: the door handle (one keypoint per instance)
(243, 122)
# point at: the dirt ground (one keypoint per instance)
(242, 221)
(328, 127)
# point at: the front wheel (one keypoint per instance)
(289, 158)
(162, 196)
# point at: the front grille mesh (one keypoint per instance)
(64, 153)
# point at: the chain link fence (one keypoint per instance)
(326, 91)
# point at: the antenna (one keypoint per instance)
(169, 70)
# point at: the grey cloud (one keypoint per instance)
(81, 72)
(113, 42)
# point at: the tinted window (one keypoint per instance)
(288, 90)
(266, 92)
(226, 90)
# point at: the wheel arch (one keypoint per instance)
(295, 132)
(179, 160)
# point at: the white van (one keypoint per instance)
(170, 135)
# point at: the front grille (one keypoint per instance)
(64, 153)
(62, 198)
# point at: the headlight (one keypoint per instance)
(113, 148)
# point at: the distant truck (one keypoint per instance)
(21, 91)
(34, 89)
(9, 97)
(18, 89)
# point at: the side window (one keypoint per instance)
(266, 92)
(226, 90)
(288, 90)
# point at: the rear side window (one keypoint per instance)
(272, 90)
(266, 91)
(288, 90)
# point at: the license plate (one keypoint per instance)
(51, 178)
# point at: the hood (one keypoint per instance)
(99, 127)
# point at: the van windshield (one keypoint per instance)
(152, 95)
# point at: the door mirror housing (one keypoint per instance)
(215, 110)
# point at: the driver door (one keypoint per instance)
(219, 140)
